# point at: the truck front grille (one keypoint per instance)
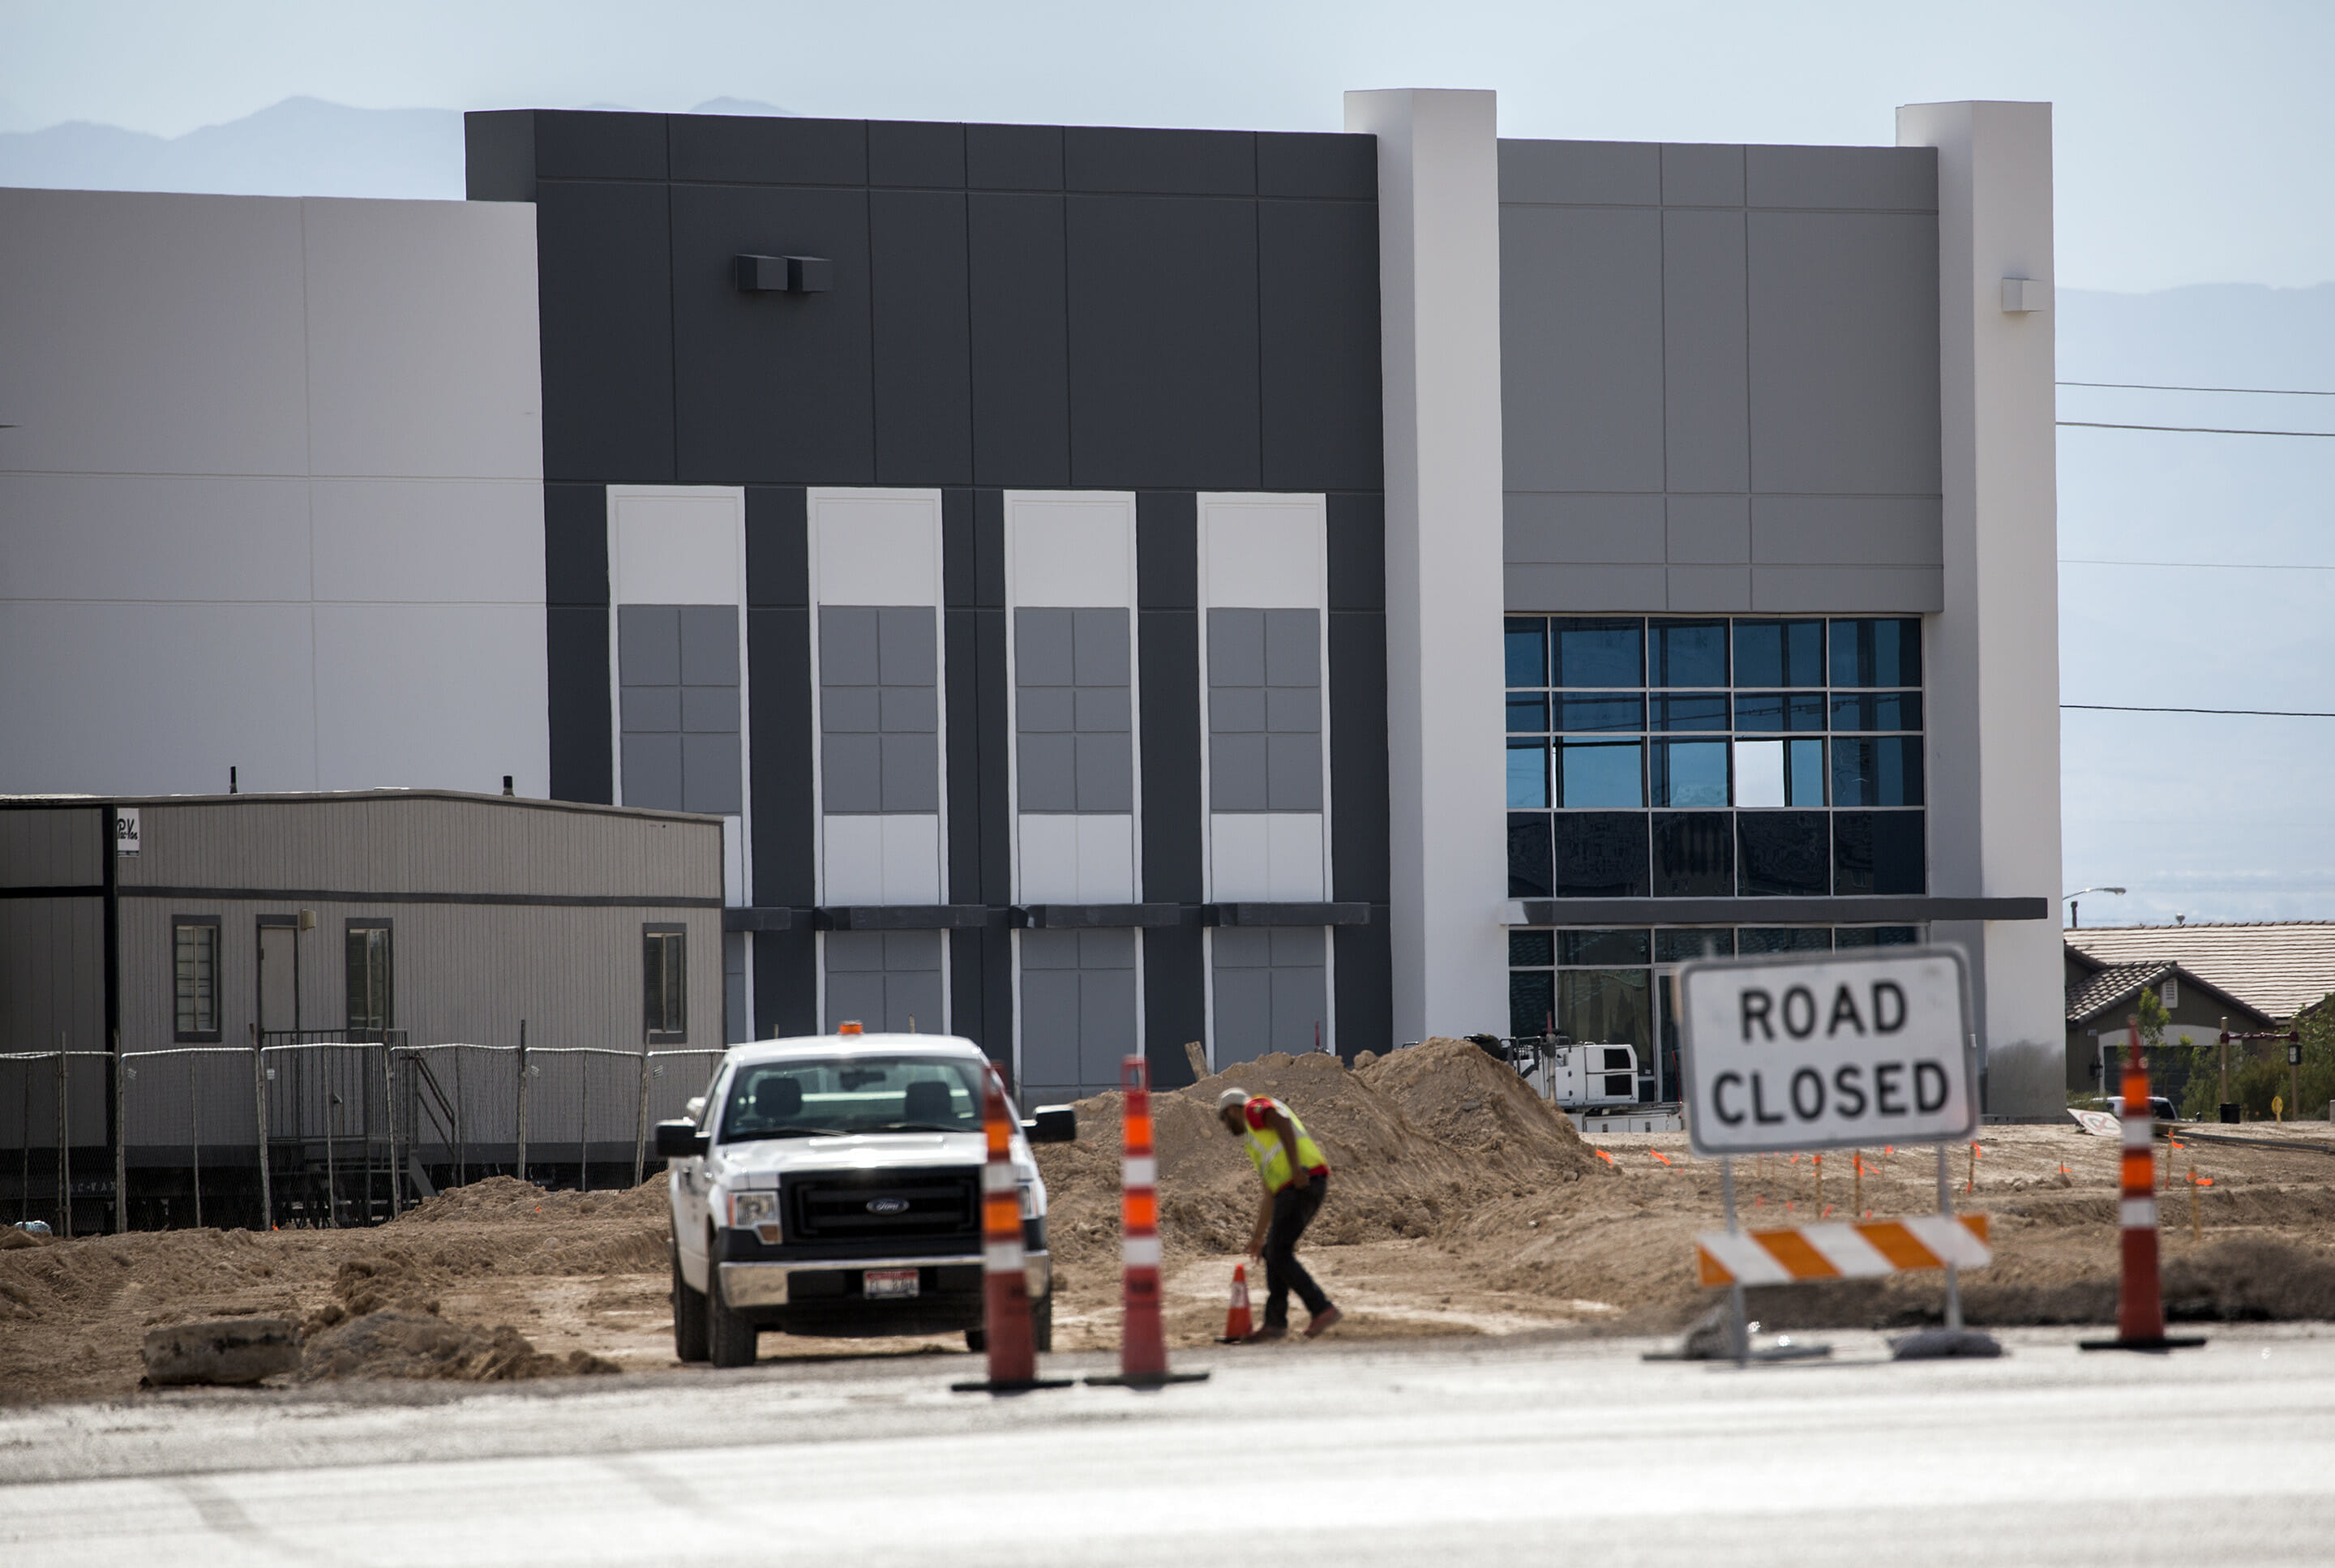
(882, 1205)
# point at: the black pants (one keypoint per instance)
(1293, 1208)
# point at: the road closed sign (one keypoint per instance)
(1827, 1053)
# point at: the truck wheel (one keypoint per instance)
(731, 1340)
(976, 1340)
(1042, 1321)
(688, 1316)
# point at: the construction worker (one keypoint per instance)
(1295, 1178)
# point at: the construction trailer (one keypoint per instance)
(309, 1009)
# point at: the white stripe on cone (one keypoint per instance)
(2138, 1214)
(1139, 1251)
(1001, 1257)
(1139, 1171)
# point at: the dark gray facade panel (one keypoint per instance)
(962, 634)
(1709, 530)
(648, 645)
(1356, 526)
(1705, 337)
(1697, 589)
(1168, 551)
(769, 150)
(498, 155)
(1164, 342)
(576, 660)
(1013, 157)
(591, 144)
(1844, 347)
(1169, 648)
(575, 544)
(1317, 164)
(1869, 178)
(1365, 968)
(930, 155)
(786, 983)
(709, 645)
(1318, 312)
(1702, 174)
(1271, 990)
(960, 529)
(1020, 339)
(922, 338)
(995, 824)
(709, 774)
(771, 386)
(777, 551)
(988, 549)
(1847, 531)
(1593, 173)
(1849, 590)
(1571, 530)
(1581, 348)
(1078, 1010)
(778, 657)
(604, 286)
(980, 991)
(1589, 590)
(1358, 762)
(1113, 159)
(1175, 1009)
(885, 979)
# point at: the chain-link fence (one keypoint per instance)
(320, 1128)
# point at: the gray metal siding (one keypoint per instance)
(388, 844)
(52, 994)
(61, 846)
(1719, 378)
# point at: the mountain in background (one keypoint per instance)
(300, 147)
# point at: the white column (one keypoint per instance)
(1994, 679)
(1439, 326)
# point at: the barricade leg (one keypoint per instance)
(1142, 1341)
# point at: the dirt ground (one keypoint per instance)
(1459, 1205)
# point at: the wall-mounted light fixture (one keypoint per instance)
(2022, 295)
(783, 273)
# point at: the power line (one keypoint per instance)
(2195, 429)
(2247, 712)
(2150, 386)
(2201, 566)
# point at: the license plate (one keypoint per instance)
(878, 1282)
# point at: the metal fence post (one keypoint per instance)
(64, 1144)
(259, 1122)
(195, 1139)
(522, 1100)
(641, 1122)
(583, 1123)
(389, 1110)
(121, 1138)
(462, 1147)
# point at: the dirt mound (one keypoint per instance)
(499, 1198)
(1416, 1142)
(399, 1342)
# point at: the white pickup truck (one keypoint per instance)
(830, 1184)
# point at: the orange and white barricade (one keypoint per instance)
(1142, 1343)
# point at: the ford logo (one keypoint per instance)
(888, 1205)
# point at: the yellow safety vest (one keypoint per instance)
(1271, 1155)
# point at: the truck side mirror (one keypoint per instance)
(679, 1140)
(1052, 1124)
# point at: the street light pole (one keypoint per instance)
(2076, 910)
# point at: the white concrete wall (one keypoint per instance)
(1439, 288)
(275, 496)
(1994, 673)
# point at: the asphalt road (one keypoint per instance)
(1491, 1451)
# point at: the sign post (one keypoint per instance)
(1826, 1051)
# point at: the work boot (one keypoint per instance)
(1270, 1331)
(1322, 1321)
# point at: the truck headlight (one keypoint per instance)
(757, 1212)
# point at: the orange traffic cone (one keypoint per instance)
(1237, 1326)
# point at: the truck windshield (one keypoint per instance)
(829, 1096)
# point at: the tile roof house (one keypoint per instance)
(2278, 967)
(2103, 991)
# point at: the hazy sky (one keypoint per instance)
(2193, 138)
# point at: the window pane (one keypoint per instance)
(1876, 652)
(1701, 710)
(1599, 654)
(1601, 947)
(652, 984)
(1694, 855)
(1679, 946)
(1874, 935)
(196, 979)
(1804, 780)
(1877, 711)
(1601, 712)
(1691, 773)
(1528, 775)
(1601, 774)
(1779, 710)
(1600, 855)
(1786, 939)
(1527, 715)
(1780, 653)
(1885, 771)
(1878, 852)
(1528, 863)
(1527, 949)
(1786, 854)
(1532, 1001)
(368, 973)
(1759, 772)
(1527, 645)
(1689, 652)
